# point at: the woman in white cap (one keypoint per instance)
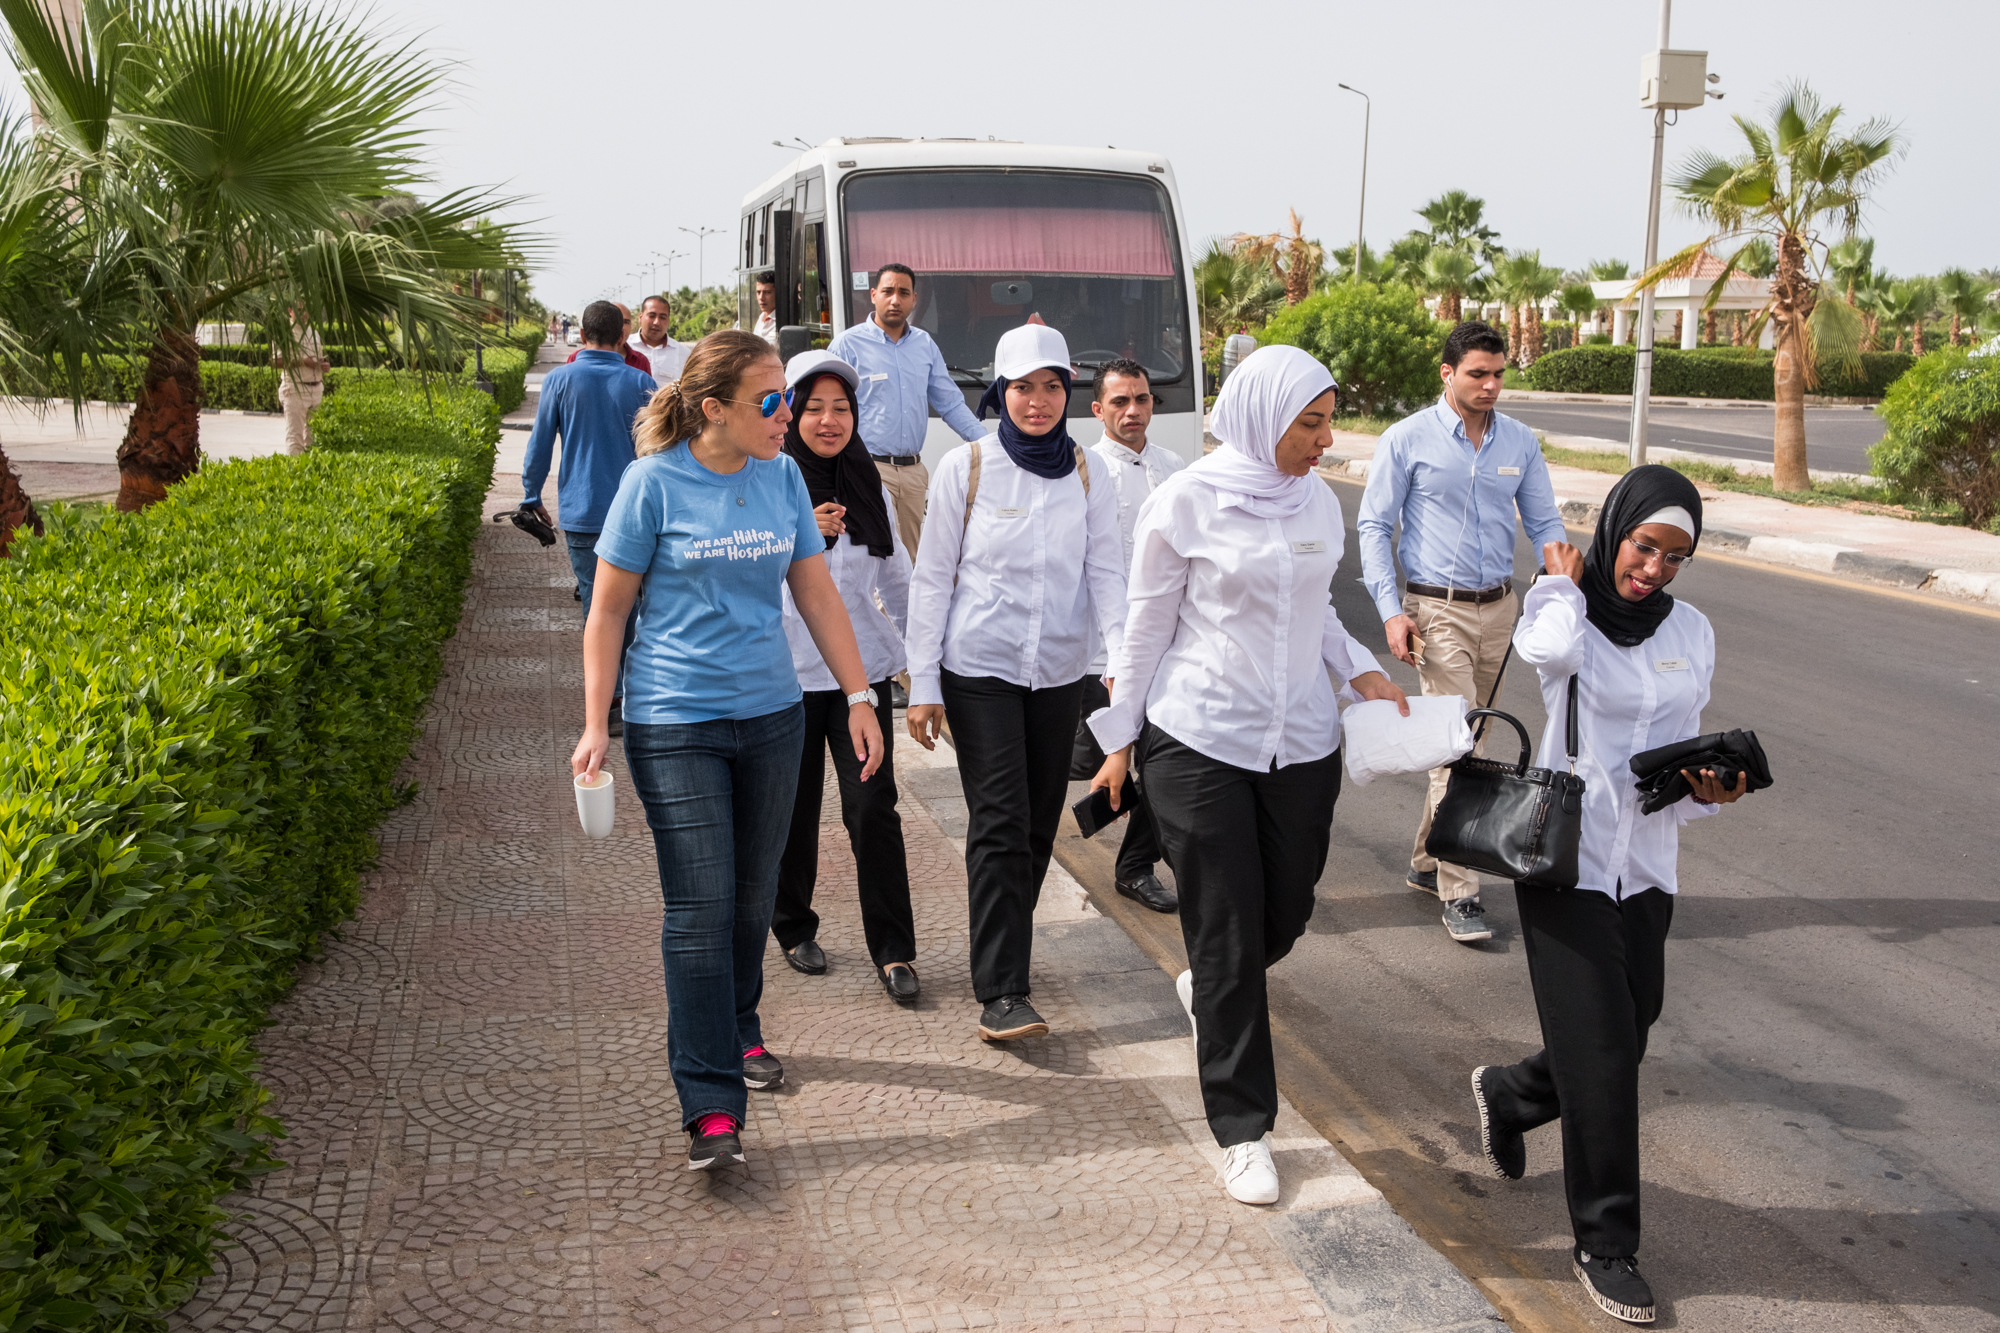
(1222, 681)
(1019, 552)
(870, 567)
(1642, 661)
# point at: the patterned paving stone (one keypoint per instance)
(283, 1269)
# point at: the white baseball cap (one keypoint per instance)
(821, 362)
(1030, 347)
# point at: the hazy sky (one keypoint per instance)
(623, 122)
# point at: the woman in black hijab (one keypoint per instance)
(869, 566)
(1643, 661)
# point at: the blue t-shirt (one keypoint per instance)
(714, 550)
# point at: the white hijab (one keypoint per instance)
(1259, 401)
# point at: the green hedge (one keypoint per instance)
(254, 388)
(1707, 372)
(202, 711)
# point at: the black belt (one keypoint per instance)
(900, 460)
(1479, 598)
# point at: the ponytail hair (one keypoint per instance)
(715, 369)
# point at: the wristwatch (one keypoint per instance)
(862, 697)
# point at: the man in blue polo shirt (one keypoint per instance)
(590, 403)
(903, 375)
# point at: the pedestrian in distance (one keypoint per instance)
(1222, 682)
(565, 329)
(1643, 662)
(713, 523)
(903, 377)
(303, 382)
(766, 287)
(590, 404)
(1122, 399)
(1454, 476)
(1024, 552)
(872, 571)
(654, 343)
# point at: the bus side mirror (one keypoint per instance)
(793, 339)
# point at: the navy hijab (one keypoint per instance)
(1052, 454)
(1639, 494)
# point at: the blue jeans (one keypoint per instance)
(718, 797)
(583, 562)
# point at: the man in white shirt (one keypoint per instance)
(1122, 399)
(656, 344)
(767, 308)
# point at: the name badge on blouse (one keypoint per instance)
(1308, 548)
(1012, 513)
(1670, 664)
(1510, 472)
(883, 376)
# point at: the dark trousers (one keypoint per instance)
(1247, 849)
(1140, 851)
(1598, 967)
(874, 831)
(582, 547)
(1013, 762)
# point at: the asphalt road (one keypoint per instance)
(1820, 1138)
(1837, 438)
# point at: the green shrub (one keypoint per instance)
(1705, 372)
(507, 367)
(1879, 370)
(1378, 340)
(202, 710)
(1943, 440)
(253, 387)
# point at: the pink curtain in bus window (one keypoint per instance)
(1112, 242)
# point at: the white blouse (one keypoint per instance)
(1012, 595)
(1232, 631)
(1135, 477)
(876, 591)
(1629, 700)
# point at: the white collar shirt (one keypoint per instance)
(1012, 593)
(1134, 476)
(766, 326)
(1629, 700)
(876, 591)
(1232, 632)
(667, 359)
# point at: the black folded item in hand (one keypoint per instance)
(1729, 753)
(1094, 811)
(525, 519)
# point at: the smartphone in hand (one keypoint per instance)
(1094, 811)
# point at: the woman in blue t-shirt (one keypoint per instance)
(712, 523)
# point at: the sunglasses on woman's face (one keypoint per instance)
(768, 404)
(1645, 552)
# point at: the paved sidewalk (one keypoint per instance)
(484, 1135)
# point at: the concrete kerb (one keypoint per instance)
(1625, 399)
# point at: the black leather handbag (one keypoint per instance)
(1508, 819)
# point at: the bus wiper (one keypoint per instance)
(971, 376)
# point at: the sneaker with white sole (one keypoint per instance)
(1465, 919)
(1615, 1286)
(1249, 1174)
(1184, 987)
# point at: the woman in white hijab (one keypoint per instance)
(1222, 681)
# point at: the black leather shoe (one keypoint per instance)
(1010, 1018)
(900, 980)
(807, 957)
(1147, 891)
(1506, 1150)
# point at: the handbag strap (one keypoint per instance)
(1494, 693)
(1570, 726)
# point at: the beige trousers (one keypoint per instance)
(1464, 645)
(908, 487)
(298, 401)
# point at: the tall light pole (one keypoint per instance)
(669, 261)
(1361, 222)
(701, 235)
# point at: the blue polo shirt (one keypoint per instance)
(590, 403)
(709, 641)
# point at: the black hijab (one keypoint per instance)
(1639, 494)
(849, 478)
(1051, 454)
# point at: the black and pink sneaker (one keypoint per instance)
(713, 1141)
(761, 1069)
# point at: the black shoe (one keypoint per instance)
(900, 980)
(1423, 881)
(1010, 1018)
(721, 1149)
(1506, 1150)
(617, 717)
(807, 957)
(761, 1069)
(1147, 891)
(1615, 1285)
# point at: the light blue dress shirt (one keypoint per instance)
(900, 382)
(1456, 506)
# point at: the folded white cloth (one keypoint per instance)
(1377, 739)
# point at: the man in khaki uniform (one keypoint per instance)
(302, 384)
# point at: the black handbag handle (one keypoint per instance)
(1521, 766)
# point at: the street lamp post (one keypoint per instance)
(1361, 222)
(701, 235)
(669, 259)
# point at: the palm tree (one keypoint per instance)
(1579, 301)
(1457, 222)
(1233, 293)
(1302, 260)
(1374, 268)
(1963, 297)
(1850, 262)
(1447, 274)
(1906, 304)
(231, 158)
(1799, 171)
(1524, 281)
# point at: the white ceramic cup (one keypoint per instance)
(594, 804)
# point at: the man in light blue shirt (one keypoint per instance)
(903, 376)
(1454, 475)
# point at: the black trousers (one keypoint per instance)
(1140, 851)
(1013, 762)
(874, 831)
(1247, 849)
(1598, 967)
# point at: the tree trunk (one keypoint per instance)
(1533, 351)
(1708, 328)
(1899, 342)
(1736, 330)
(1449, 307)
(1516, 337)
(163, 440)
(1917, 338)
(1954, 328)
(16, 509)
(1792, 289)
(1869, 325)
(1680, 316)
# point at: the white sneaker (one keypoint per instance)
(1184, 987)
(1249, 1174)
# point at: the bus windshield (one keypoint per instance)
(1094, 255)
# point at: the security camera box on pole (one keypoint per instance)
(1675, 80)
